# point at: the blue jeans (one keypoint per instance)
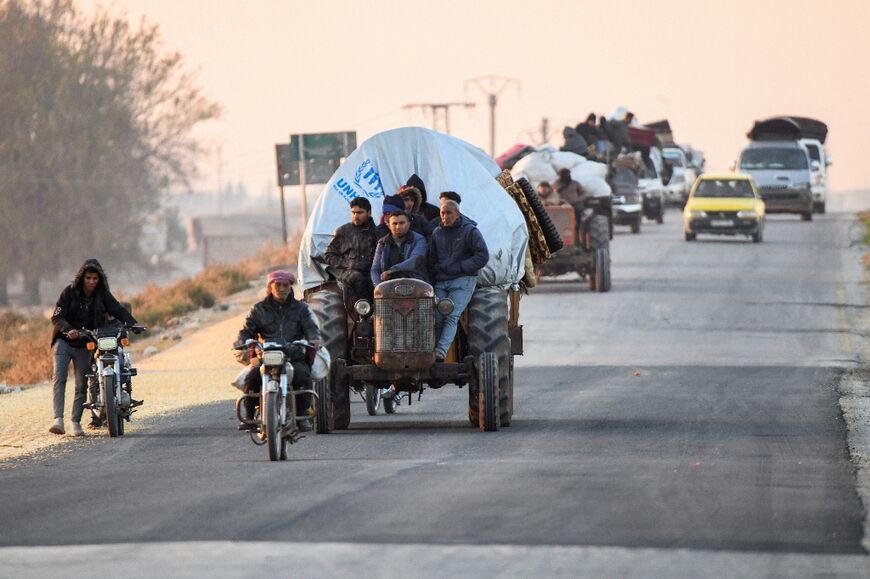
(81, 360)
(459, 290)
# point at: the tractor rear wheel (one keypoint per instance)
(328, 308)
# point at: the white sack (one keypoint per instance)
(593, 186)
(535, 167)
(590, 169)
(384, 162)
(565, 160)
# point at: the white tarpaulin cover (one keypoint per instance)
(384, 162)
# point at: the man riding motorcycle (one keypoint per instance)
(280, 317)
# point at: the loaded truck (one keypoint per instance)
(390, 341)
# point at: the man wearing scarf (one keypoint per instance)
(281, 318)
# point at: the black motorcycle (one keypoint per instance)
(110, 379)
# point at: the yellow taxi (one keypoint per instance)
(724, 205)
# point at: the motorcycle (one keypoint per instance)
(275, 420)
(110, 378)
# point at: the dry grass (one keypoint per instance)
(156, 306)
(25, 351)
(864, 216)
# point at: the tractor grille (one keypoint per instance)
(404, 325)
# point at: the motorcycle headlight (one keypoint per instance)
(109, 343)
(747, 215)
(363, 307)
(273, 358)
(445, 306)
(697, 214)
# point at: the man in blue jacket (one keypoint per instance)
(457, 252)
(401, 253)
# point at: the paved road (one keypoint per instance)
(685, 423)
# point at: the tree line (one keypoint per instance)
(96, 122)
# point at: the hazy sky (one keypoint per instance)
(283, 66)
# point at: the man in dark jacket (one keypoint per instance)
(351, 251)
(402, 253)
(574, 142)
(571, 192)
(281, 318)
(85, 303)
(457, 252)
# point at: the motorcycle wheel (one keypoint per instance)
(373, 399)
(107, 392)
(271, 413)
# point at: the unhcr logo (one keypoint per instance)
(366, 182)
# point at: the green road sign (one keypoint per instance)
(322, 151)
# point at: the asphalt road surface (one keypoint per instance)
(684, 424)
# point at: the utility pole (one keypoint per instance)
(492, 87)
(443, 109)
(545, 130)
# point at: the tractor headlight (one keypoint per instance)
(445, 306)
(363, 307)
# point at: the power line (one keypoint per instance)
(440, 111)
(492, 86)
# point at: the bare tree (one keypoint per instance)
(96, 120)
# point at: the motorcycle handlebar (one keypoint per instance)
(135, 328)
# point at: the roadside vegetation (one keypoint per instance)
(25, 351)
(865, 217)
(97, 119)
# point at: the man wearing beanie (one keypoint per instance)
(392, 204)
(281, 318)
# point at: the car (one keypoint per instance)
(819, 162)
(682, 175)
(724, 205)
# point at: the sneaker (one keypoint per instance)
(77, 429)
(304, 425)
(57, 427)
(439, 357)
(95, 423)
(247, 426)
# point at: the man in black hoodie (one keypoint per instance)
(85, 303)
(429, 211)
